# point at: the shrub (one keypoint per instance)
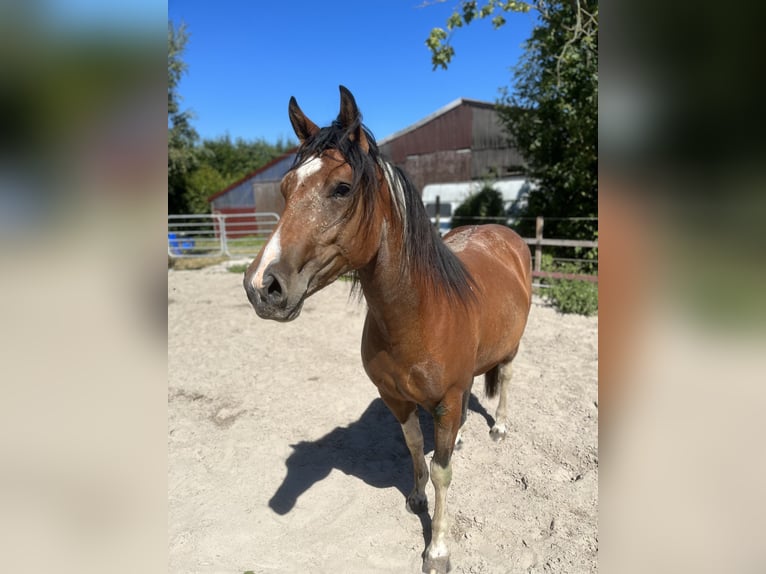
(568, 295)
(486, 203)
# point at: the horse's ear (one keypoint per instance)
(351, 118)
(304, 127)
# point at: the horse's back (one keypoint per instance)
(500, 264)
(491, 250)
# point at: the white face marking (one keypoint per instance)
(270, 255)
(273, 248)
(308, 168)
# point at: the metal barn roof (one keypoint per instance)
(272, 171)
(440, 112)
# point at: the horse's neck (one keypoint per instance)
(388, 284)
(386, 276)
(391, 300)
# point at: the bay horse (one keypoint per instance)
(439, 312)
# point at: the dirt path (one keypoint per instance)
(283, 459)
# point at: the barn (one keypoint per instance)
(463, 141)
(258, 191)
(455, 151)
(448, 154)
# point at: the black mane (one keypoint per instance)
(426, 255)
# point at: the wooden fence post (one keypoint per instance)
(539, 243)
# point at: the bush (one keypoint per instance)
(568, 295)
(486, 203)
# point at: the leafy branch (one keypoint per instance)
(583, 33)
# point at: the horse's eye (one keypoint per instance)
(341, 190)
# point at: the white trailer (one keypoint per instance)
(451, 195)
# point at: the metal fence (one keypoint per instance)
(219, 234)
(243, 234)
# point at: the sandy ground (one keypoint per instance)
(282, 458)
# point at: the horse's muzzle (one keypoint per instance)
(272, 300)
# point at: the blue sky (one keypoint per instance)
(84, 14)
(246, 58)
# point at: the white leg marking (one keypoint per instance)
(459, 438)
(270, 255)
(500, 430)
(437, 553)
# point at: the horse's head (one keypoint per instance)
(329, 224)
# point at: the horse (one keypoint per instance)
(439, 311)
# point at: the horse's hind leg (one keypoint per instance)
(500, 429)
(463, 417)
(502, 386)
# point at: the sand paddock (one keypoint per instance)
(282, 458)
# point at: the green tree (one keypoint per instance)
(201, 183)
(197, 171)
(551, 113)
(235, 159)
(183, 156)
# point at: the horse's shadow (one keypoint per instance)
(371, 448)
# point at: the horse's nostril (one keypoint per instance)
(272, 290)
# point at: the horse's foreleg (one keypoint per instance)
(407, 415)
(417, 501)
(447, 417)
(500, 429)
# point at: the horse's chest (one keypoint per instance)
(402, 366)
(415, 381)
(414, 377)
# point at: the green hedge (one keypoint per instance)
(568, 295)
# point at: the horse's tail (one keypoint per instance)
(492, 377)
(491, 381)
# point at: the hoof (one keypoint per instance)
(437, 565)
(417, 504)
(498, 432)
